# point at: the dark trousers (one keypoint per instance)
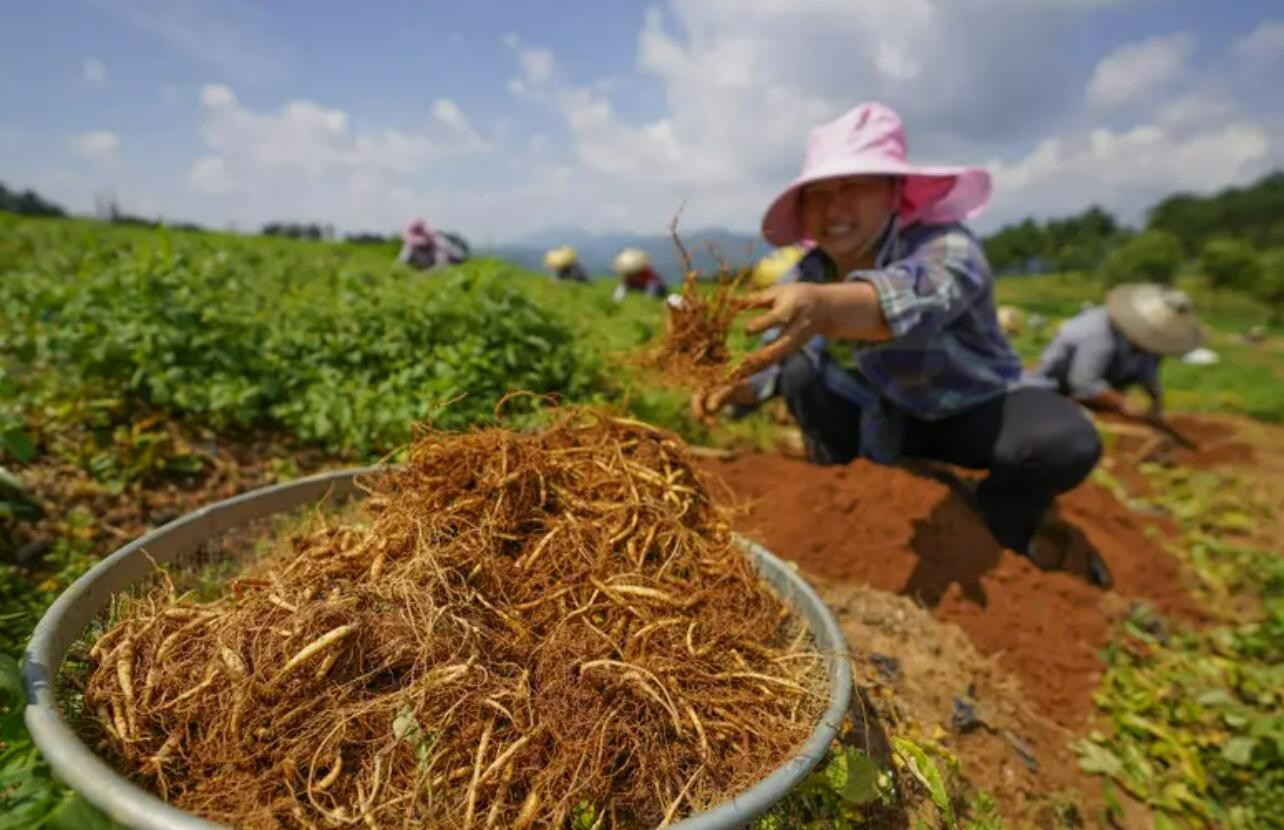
(1034, 443)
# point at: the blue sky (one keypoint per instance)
(499, 118)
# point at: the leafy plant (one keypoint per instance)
(1151, 256)
(1196, 723)
(1230, 263)
(28, 798)
(1270, 284)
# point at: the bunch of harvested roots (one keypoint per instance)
(523, 630)
(693, 351)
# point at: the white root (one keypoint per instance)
(233, 663)
(470, 808)
(331, 776)
(125, 677)
(530, 810)
(311, 650)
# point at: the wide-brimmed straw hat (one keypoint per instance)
(630, 261)
(560, 257)
(870, 140)
(1154, 317)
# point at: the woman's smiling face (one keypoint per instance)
(845, 216)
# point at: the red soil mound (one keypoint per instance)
(893, 530)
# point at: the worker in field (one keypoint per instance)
(426, 249)
(563, 263)
(768, 270)
(1101, 352)
(883, 339)
(636, 275)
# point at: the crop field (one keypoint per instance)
(147, 372)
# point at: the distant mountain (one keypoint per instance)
(597, 250)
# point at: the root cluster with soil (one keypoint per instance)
(521, 630)
(693, 352)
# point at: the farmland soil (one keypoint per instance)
(1210, 442)
(998, 656)
(937, 684)
(122, 514)
(894, 530)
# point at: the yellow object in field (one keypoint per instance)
(775, 265)
(560, 257)
(1011, 320)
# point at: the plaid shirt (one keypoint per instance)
(947, 352)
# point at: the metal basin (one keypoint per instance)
(73, 611)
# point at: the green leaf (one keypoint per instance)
(11, 481)
(1216, 697)
(861, 780)
(1096, 759)
(1239, 750)
(75, 813)
(927, 773)
(19, 445)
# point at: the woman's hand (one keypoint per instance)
(802, 310)
(799, 309)
(706, 403)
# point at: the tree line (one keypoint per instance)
(1234, 237)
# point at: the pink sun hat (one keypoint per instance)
(870, 140)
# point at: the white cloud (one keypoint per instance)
(308, 161)
(94, 72)
(1264, 45)
(1130, 170)
(1133, 72)
(537, 67)
(217, 95)
(537, 64)
(209, 175)
(448, 112)
(96, 145)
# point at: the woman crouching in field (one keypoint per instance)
(884, 341)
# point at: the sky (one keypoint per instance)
(499, 118)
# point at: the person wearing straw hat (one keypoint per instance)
(884, 341)
(636, 274)
(1099, 353)
(564, 265)
(768, 270)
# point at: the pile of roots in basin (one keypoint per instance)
(524, 630)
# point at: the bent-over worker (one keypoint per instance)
(636, 274)
(1099, 353)
(564, 264)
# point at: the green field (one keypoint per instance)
(125, 351)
